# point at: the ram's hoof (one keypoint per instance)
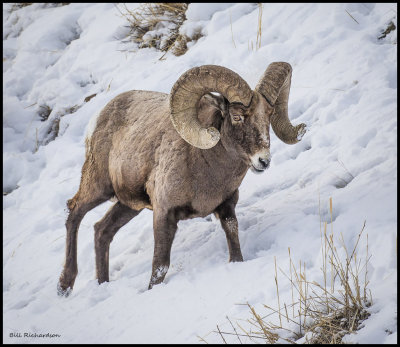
(301, 130)
(63, 292)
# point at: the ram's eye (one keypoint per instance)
(237, 118)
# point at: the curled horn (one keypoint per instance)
(274, 85)
(187, 92)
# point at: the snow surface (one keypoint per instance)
(344, 87)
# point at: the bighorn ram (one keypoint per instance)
(181, 155)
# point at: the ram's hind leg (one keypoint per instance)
(92, 192)
(105, 229)
(78, 208)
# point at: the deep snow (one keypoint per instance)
(344, 87)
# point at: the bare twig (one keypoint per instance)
(230, 18)
(219, 331)
(351, 16)
(277, 292)
(234, 329)
(258, 42)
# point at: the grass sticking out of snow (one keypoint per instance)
(322, 313)
(156, 25)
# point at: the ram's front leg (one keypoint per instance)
(226, 213)
(164, 225)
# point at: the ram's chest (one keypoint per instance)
(207, 190)
(196, 193)
(205, 203)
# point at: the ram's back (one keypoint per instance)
(124, 147)
(133, 109)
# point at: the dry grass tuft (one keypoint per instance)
(156, 25)
(50, 129)
(18, 5)
(390, 27)
(323, 313)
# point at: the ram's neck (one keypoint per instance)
(221, 166)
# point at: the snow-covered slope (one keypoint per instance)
(344, 86)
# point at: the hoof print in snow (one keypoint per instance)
(44, 112)
(343, 182)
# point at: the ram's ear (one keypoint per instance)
(217, 101)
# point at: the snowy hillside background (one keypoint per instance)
(344, 87)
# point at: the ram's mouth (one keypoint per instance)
(257, 170)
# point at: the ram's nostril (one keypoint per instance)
(264, 162)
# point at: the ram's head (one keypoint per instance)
(246, 114)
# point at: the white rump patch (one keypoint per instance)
(90, 130)
(91, 126)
